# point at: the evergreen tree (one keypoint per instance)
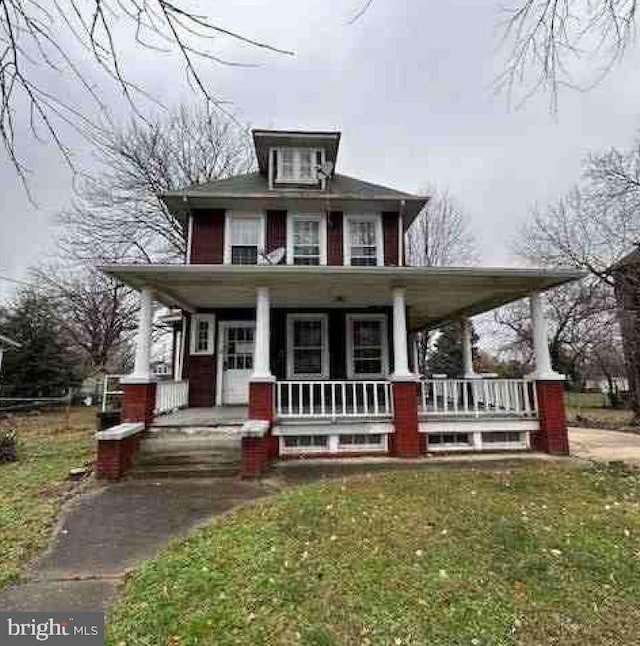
(43, 365)
(446, 357)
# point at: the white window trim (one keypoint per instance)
(350, 318)
(195, 319)
(189, 238)
(228, 218)
(346, 237)
(318, 217)
(325, 346)
(276, 178)
(333, 446)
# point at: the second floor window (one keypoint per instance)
(306, 244)
(297, 165)
(363, 241)
(245, 239)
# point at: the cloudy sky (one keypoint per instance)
(409, 85)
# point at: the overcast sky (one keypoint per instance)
(410, 87)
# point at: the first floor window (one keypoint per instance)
(367, 342)
(307, 240)
(360, 440)
(245, 239)
(202, 326)
(308, 346)
(363, 241)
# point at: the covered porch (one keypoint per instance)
(398, 413)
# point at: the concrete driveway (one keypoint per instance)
(607, 446)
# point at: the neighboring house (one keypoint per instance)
(6, 344)
(627, 286)
(296, 303)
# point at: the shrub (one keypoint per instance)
(8, 449)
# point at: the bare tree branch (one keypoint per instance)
(551, 44)
(40, 62)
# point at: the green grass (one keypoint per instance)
(536, 556)
(31, 489)
(589, 407)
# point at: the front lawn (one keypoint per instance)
(31, 489)
(539, 555)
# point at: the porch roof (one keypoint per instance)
(433, 294)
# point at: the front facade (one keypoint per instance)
(297, 303)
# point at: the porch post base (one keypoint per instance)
(406, 440)
(255, 456)
(257, 452)
(553, 436)
(139, 402)
(116, 448)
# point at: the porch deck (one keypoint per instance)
(203, 417)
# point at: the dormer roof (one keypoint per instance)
(264, 140)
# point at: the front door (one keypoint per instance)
(237, 361)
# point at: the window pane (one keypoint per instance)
(306, 242)
(307, 334)
(363, 243)
(367, 347)
(245, 231)
(202, 342)
(306, 164)
(288, 163)
(307, 362)
(244, 255)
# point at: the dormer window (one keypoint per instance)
(296, 165)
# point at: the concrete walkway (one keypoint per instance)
(107, 531)
(606, 446)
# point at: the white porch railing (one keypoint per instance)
(478, 397)
(171, 395)
(331, 399)
(112, 392)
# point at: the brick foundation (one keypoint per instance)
(255, 456)
(139, 402)
(115, 457)
(406, 441)
(552, 436)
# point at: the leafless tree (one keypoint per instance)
(581, 319)
(591, 229)
(551, 44)
(116, 214)
(96, 313)
(52, 48)
(440, 235)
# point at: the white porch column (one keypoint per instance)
(142, 367)
(467, 352)
(543, 369)
(400, 350)
(261, 368)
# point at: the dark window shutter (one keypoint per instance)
(274, 161)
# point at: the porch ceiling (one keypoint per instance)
(433, 294)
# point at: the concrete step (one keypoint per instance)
(188, 458)
(184, 471)
(213, 445)
(226, 429)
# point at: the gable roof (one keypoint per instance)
(254, 186)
